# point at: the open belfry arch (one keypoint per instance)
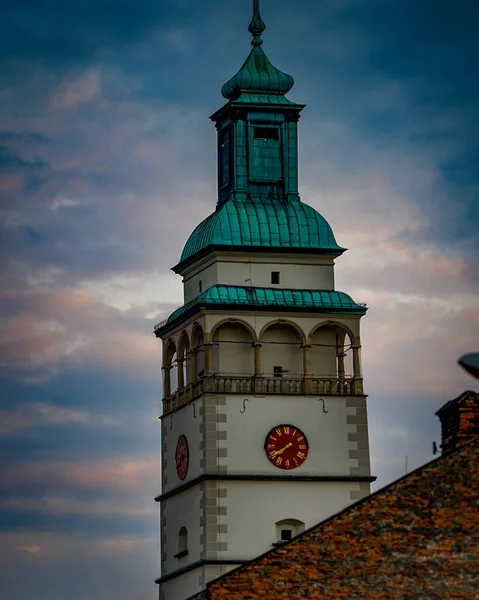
(264, 424)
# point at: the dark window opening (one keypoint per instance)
(200, 286)
(275, 277)
(278, 371)
(266, 133)
(286, 535)
(225, 157)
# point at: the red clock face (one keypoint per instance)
(182, 457)
(286, 447)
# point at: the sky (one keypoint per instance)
(108, 162)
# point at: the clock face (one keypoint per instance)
(182, 457)
(286, 447)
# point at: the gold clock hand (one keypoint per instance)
(278, 452)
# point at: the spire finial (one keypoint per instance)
(257, 26)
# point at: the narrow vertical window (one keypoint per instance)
(200, 286)
(182, 543)
(224, 156)
(275, 277)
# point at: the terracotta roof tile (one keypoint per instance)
(417, 538)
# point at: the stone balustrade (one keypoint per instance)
(219, 384)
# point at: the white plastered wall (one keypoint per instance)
(182, 422)
(255, 507)
(182, 510)
(327, 434)
(180, 588)
(315, 272)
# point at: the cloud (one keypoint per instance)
(46, 328)
(76, 91)
(127, 474)
(33, 549)
(37, 414)
(53, 504)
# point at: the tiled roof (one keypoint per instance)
(458, 401)
(416, 539)
(231, 296)
(262, 223)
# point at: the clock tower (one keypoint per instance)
(264, 425)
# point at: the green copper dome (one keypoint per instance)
(257, 75)
(262, 223)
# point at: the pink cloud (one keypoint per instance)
(28, 416)
(126, 475)
(75, 91)
(73, 325)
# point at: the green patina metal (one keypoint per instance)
(258, 195)
(262, 223)
(257, 75)
(229, 297)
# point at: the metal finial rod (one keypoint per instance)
(257, 25)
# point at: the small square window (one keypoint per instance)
(200, 286)
(286, 535)
(278, 371)
(275, 277)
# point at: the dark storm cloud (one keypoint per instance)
(56, 32)
(10, 160)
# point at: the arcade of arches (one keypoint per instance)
(282, 359)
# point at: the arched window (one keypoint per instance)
(287, 529)
(182, 543)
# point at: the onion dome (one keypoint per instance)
(261, 224)
(257, 75)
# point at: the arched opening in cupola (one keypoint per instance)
(332, 355)
(281, 351)
(198, 353)
(184, 360)
(233, 352)
(170, 369)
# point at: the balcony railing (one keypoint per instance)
(220, 384)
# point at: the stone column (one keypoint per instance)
(181, 373)
(308, 382)
(356, 362)
(191, 368)
(166, 381)
(258, 370)
(209, 381)
(357, 378)
(257, 360)
(208, 359)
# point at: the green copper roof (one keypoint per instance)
(229, 296)
(257, 75)
(263, 223)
